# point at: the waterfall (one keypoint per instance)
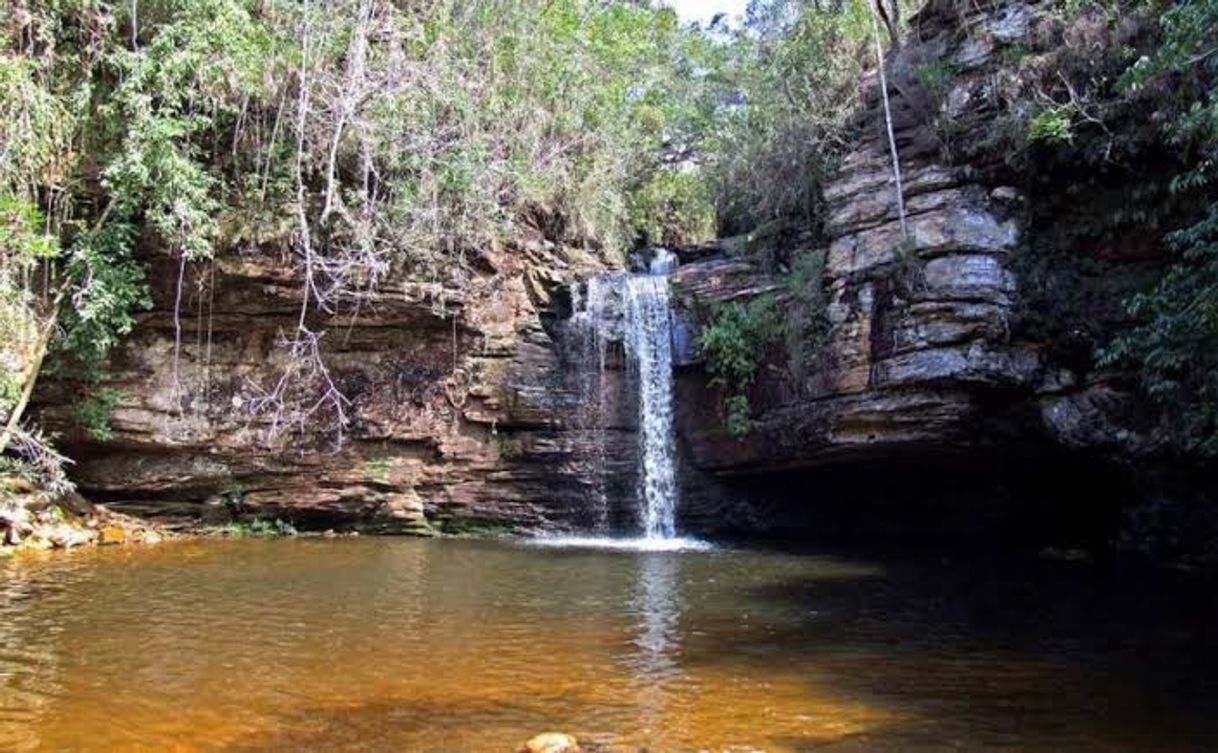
(648, 336)
(587, 323)
(633, 310)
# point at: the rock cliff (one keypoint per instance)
(457, 415)
(931, 372)
(466, 410)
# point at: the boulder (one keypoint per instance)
(551, 742)
(65, 536)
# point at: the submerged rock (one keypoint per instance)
(551, 742)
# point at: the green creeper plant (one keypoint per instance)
(733, 344)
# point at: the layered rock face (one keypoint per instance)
(467, 406)
(458, 402)
(926, 367)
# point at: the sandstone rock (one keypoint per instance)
(1011, 24)
(65, 536)
(111, 535)
(428, 368)
(551, 742)
(921, 352)
(38, 542)
(15, 516)
(977, 277)
(1089, 416)
(462, 403)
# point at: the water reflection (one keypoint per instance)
(31, 675)
(389, 645)
(655, 664)
(657, 604)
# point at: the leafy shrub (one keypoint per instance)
(93, 412)
(674, 207)
(111, 290)
(1051, 127)
(1175, 345)
(790, 83)
(738, 336)
(733, 343)
(22, 234)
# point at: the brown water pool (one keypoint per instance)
(417, 645)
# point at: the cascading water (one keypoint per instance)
(634, 310)
(589, 306)
(648, 336)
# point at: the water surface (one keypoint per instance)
(413, 645)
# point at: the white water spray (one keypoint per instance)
(634, 310)
(648, 335)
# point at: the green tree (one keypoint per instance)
(1175, 347)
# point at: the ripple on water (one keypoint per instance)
(639, 544)
(392, 645)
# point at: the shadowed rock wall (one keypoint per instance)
(929, 362)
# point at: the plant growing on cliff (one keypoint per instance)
(1051, 127)
(108, 130)
(935, 78)
(93, 412)
(733, 343)
(36, 134)
(793, 74)
(258, 528)
(359, 137)
(1175, 346)
(24, 246)
(805, 323)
